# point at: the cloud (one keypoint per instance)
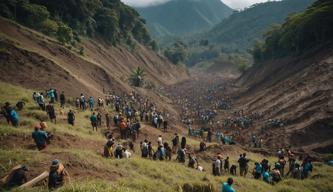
(143, 3)
(240, 4)
(235, 4)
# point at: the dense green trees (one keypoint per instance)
(67, 19)
(300, 32)
(237, 34)
(243, 28)
(177, 53)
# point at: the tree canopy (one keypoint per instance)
(67, 19)
(298, 33)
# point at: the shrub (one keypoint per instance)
(64, 33)
(49, 27)
(137, 76)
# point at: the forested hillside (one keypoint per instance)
(229, 42)
(67, 20)
(242, 29)
(183, 17)
(300, 32)
(291, 78)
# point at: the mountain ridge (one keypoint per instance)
(161, 19)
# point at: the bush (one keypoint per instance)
(64, 33)
(242, 67)
(154, 45)
(177, 53)
(49, 27)
(81, 51)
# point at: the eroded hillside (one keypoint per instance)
(298, 91)
(102, 66)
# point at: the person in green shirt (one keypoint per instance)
(93, 120)
(265, 177)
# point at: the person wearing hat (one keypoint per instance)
(19, 177)
(227, 186)
(57, 175)
(40, 137)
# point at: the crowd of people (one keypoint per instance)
(297, 168)
(127, 112)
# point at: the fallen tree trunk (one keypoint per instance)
(36, 180)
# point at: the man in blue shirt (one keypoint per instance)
(226, 187)
(14, 118)
(40, 138)
(258, 170)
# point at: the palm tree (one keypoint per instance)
(136, 78)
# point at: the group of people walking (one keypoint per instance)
(130, 111)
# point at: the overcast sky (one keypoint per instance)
(235, 4)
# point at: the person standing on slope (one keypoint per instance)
(91, 103)
(5, 110)
(93, 120)
(40, 137)
(41, 101)
(14, 118)
(62, 99)
(175, 142)
(70, 117)
(82, 102)
(227, 186)
(107, 121)
(183, 143)
(243, 165)
(50, 95)
(51, 112)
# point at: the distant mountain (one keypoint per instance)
(242, 29)
(180, 17)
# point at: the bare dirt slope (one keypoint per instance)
(35, 61)
(299, 91)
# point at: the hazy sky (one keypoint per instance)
(236, 4)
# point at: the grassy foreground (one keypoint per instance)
(91, 172)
